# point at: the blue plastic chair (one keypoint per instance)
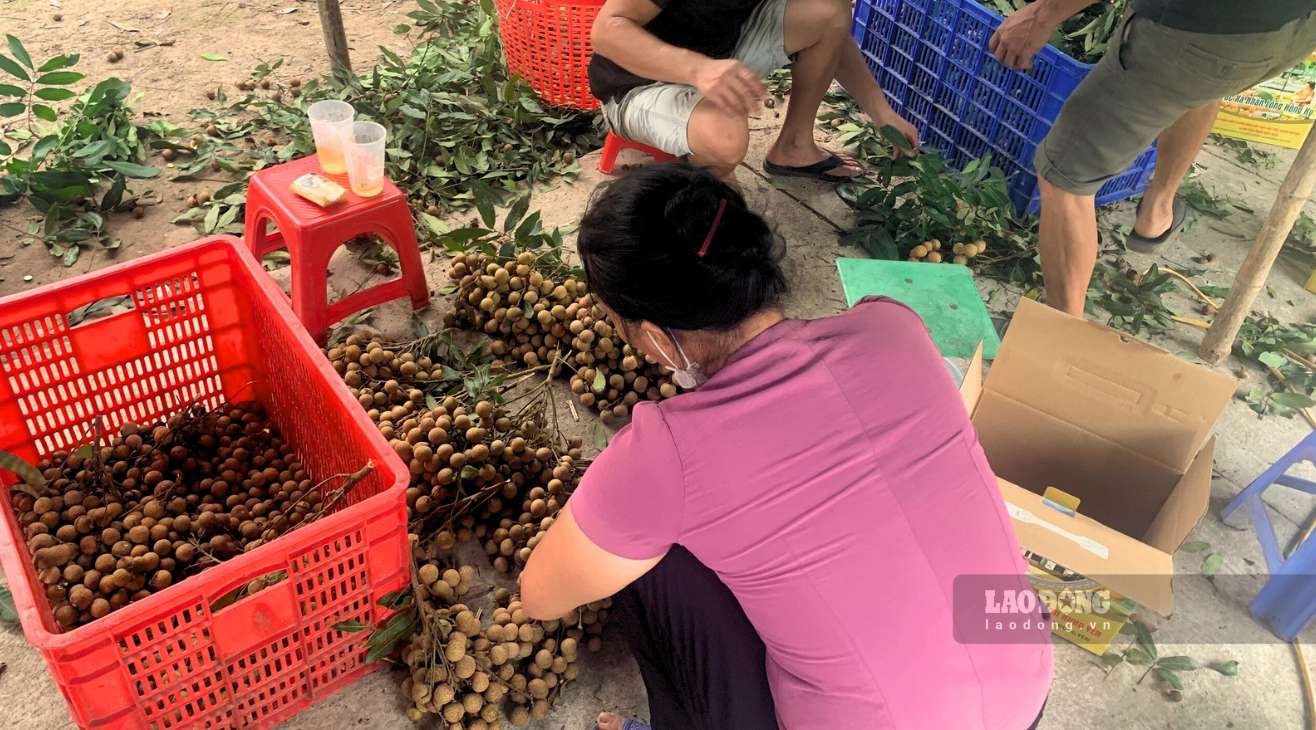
(1287, 602)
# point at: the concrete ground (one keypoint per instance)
(1210, 622)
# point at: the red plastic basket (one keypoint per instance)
(547, 44)
(206, 325)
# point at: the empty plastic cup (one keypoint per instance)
(365, 158)
(331, 125)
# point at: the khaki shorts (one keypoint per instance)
(657, 114)
(1150, 76)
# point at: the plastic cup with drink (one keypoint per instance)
(365, 158)
(331, 126)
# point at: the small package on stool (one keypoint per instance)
(317, 189)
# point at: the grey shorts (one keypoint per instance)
(1150, 76)
(657, 114)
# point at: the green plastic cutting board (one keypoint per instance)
(943, 294)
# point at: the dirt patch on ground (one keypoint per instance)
(162, 45)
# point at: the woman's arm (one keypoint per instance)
(567, 570)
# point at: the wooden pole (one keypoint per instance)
(335, 37)
(1251, 277)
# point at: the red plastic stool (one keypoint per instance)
(615, 143)
(312, 234)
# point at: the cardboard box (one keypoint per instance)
(1121, 426)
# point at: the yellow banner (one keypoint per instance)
(1277, 111)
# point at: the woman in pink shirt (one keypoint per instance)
(785, 536)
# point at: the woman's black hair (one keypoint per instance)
(640, 242)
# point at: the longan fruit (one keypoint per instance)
(465, 667)
(99, 608)
(933, 257)
(428, 573)
(480, 681)
(519, 716)
(442, 590)
(443, 694)
(452, 577)
(456, 650)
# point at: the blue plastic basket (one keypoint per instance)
(931, 58)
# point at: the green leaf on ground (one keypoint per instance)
(383, 640)
(8, 611)
(1292, 400)
(1145, 640)
(214, 57)
(1136, 655)
(8, 66)
(1229, 668)
(1211, 564)
(1177, 663)
(16, 48)
(1170, 677)
(396, 599)
(60, 78)
(1195, 546)
(132, 169)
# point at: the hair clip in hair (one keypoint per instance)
(721, 208)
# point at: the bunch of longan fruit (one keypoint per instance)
(454, 448)
(931, 251)
(476, 475)
(154, 504)
(534, 320)
(473, 674)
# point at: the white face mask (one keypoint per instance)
(690, 376)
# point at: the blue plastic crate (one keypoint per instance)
(931, 58)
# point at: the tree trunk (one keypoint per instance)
(1251, 277)
(335, 38)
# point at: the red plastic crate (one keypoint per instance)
(206, 326)
(547, 43)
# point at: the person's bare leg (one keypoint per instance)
(1067, 238)
(853, 73)
(718, 139)
(1175, 150)
(816, 30)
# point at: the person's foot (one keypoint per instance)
(787, 154)
(613, 721)
(1153, 220)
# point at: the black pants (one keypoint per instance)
(701, 660)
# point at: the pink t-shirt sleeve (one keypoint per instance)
(631, 499)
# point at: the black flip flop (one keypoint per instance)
(820, 170)
(1142, 244)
